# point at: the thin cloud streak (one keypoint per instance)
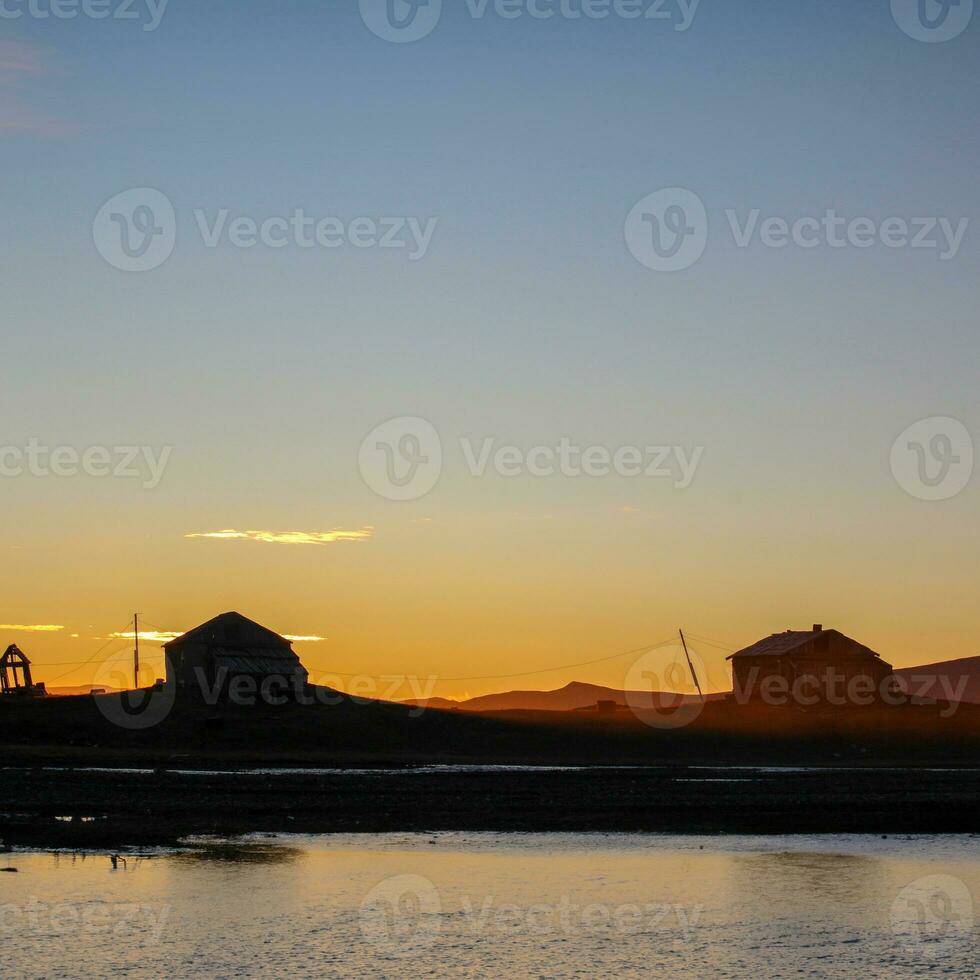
(288, 537)
(158, 636)
(18, 59)
(151, 636)
(21, 66)
(32, 629)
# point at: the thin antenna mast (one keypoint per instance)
(136, 651)
(697, 683)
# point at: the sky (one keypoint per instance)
(485, 275)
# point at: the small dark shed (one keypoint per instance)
(231, 645)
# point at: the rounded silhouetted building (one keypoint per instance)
(231, 646)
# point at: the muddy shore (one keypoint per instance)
(50, 808)
(64, 779)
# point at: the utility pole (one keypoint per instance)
(697, 683)
(136, 651)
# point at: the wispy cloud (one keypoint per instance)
(158, 636)
(151, 636)
(288, 537)
(18, 59)
(22, 66)
(635, 511)
(15, 119)
(32, 629)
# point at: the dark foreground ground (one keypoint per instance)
(914, 769)
(162, 807)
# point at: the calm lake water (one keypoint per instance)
(545, 905)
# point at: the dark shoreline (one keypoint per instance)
(902, 770)
(163, 807)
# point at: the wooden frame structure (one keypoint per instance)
(11, 662)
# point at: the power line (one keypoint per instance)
(159, 629)
(712, 643)
(478, 677)
(493, 677)
(82, 663)
(543, 670)
(89, 659)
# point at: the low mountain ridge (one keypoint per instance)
(571, 697)
(949, 680)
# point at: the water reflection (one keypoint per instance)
(239, 852)
(837, 878)
(450, 905)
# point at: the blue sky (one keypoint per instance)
(528, 318)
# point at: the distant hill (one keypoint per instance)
(927, 681)
(341, 731)
(567, 698)
(64, 692)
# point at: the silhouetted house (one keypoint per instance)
(231, 646)
(817, 663)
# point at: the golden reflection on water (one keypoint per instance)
(492, 904)
(236, 852)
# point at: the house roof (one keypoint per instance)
(258, 662)
(232, 629)
(781, 644)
